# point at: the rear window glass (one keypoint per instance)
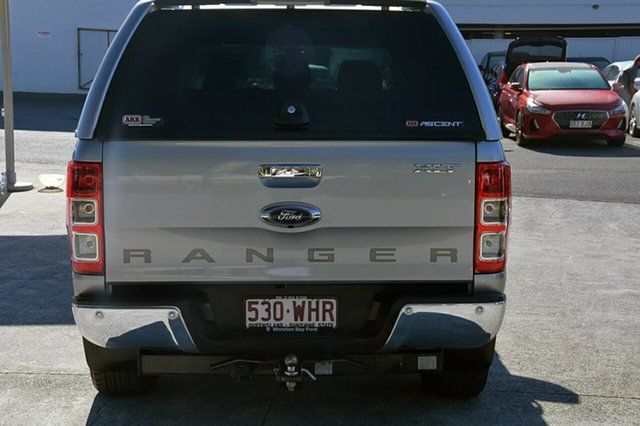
(527, 53)
(534, 52)
(566, 79)
(289, 74)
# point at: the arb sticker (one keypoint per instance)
(139, 120)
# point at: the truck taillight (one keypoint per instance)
(493, 198)
(84, 217)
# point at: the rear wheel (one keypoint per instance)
(633, 122)
(521, 140)
(464, 374)
(122, 383)
(460, 384)
(114, 372)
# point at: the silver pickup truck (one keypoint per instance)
(291, 188)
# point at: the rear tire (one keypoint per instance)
(122, 383)
(464, 374)
(114, 372)
(616, 143)
(633, 123)
(459, 384)
(521, 140)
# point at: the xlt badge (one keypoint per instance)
(436, 168)
(290, 214)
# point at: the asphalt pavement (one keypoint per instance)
(568, 351)
(577, 170)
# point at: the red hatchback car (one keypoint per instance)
(559, 99)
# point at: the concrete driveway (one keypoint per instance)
(568, 352)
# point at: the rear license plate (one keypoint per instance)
(291, 312)
(580, 124)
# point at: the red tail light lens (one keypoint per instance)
(493, 198)
(84, 179)
(84, 217)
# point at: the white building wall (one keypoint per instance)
(512, 12)
(626, 48)
(44, 39)
(614, 49)
(44, 33)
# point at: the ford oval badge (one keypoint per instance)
(290, 215)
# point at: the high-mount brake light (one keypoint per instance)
(493, 198)
(84, 217)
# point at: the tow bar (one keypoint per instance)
(292, 373)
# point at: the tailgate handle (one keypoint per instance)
(290, 175)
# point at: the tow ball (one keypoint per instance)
(292, 373)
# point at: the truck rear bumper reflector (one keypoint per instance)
(121, 328)
(418, 326)
(447, 325)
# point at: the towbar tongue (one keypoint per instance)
(291, 373)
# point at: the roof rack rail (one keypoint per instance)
(379, 3)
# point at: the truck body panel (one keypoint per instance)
(383, 218)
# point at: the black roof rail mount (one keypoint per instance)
(379, 3)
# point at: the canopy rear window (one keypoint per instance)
(235, 74)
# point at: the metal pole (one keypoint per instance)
(12, 185)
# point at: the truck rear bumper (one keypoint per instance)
(417, 326)
(460, 325)
(132, 328)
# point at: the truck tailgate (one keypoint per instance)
(189, 211)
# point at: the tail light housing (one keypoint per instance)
(84, 217)
(493, 208)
